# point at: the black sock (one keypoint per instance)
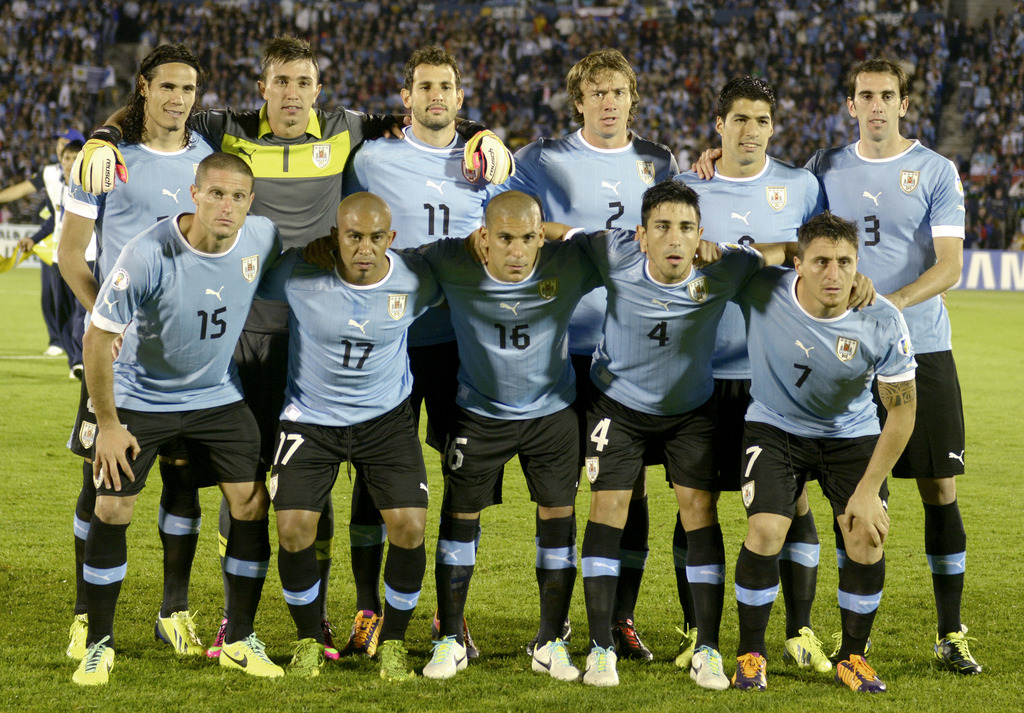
(860, 592)
(633, 558)
(246, 562)
(453, 570)
(840, 546)
(366, 536)
(178, 523)
(798, 572)
(705, 570)
(679, 554)
(556, 573)
(83, 516)
(300, 582)
(600, 576)
(106, 561)
(403, 580)
(223, 532)
(324, 545)
(757, 586)
(945, 544)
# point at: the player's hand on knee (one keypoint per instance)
(705, 165)
(111, 459)
(867, 513)
(863, 293)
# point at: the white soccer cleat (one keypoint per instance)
(707, 670)
(553, 659)
(601, 668)
(449, 657)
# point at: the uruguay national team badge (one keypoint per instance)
(846, 348)
(273, 486)
(698, 289)
(396, 305)
(748, 493)
(471, 174)
(321, 155)
(776, 197)
(250, 267)
(646, 171)
(87, 434)
(548, 288)
(909, 180)
(593, 467)
(121, 281)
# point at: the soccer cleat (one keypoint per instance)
(218, 641)
(750, 672)
(249, 656)
(686, 646)
(392, 654)
(307, 658)
(179, 630)
(330, 650)
(448, 658)
(858, 675)
(553, 659)
(365, 632)
(952, 653)
(96, 664)
(806, 651)
(707, 670)
(77, 372)
(471, 650)
(601, 667)
(53, 350)
(77, 635)
(627, 642)
(837, 638)
(565, 635)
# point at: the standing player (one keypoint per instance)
(812, 415)
(162, 154)
(749, 197)
(180, 292)
(516, 389)
(348, 400)
(909, 204)
(595, 178)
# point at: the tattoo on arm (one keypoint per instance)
(898, 393)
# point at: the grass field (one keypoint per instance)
(39, 482)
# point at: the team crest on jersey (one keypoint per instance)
(909, 180)
(776, 197)
(548, 288)
(321, 155)
(904, 346)
(273, 486)
(593, 464)
(87, 434)
(646, 171)
(250, 267)
(471, 174)
(396, 305)
(698, 289)
(846, 348)
(120, 281)
(748, 493)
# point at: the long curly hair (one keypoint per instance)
(133, 127)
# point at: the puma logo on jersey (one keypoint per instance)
(360, 327)
(174, 195)
(215, 293)
(661, 303)
(510, 308)
(807, 350)
(960, 457)
(614, 187)
(108, 304)
(874, 198)
(743, 217)
(247, 154)
(438, 186)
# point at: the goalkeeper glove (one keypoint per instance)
(485, 155)
(99, 161)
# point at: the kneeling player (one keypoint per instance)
(812, 415)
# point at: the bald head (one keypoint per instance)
(364, 235)
(368, 203)
(512, 204)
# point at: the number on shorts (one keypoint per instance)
(753, 452)
(454, 454)
(600, 434)
(296, 439)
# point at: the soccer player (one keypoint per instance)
(516, 389)
(595, 178)
(161, 152)
(180, 292)
(348, 400)
(812, 415)
(749, 197)
(909, 205)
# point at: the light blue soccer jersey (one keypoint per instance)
(587, 187)
(429, 197)
(184, 310)
(513, 336)
(766, 208)
(900, 204)
(812, 377)
(347, 360)
(158, 187)
(655, 356)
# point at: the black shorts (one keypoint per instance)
(618, 438)
(224, 438)
(936, 447)
(262, 361)
(435, 380)
(386, 450)
(480, 447)
(732, 397)
(776, 465)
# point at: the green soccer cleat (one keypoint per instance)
(837, 639)
(806, 651)
(859, 676)
(250, 657)
(686, 647)
(179, 630)
(77, 636)
(96, 664)
(953, 655)
(393, 654)
(307, 658)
